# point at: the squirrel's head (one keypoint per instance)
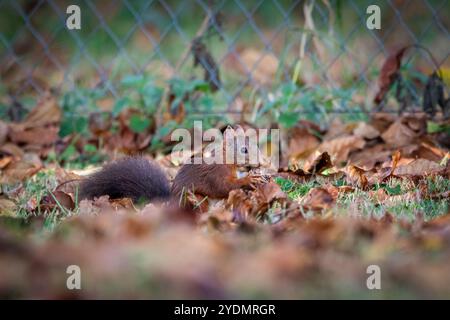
(241, 147)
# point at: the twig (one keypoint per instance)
(160, 111)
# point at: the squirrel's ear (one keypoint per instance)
(228, 130)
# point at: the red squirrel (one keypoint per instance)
(138, 178)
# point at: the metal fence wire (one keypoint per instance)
(240, 48)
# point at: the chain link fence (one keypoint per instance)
(244, 50)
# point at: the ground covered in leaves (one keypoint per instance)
(346, 197)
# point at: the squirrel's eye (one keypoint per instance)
(244, 150)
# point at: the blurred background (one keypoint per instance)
(71, 100)
(247, 57)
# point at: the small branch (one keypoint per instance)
(160, 111)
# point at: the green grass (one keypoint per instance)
(404, 200)
(294, 190)
(28, 211)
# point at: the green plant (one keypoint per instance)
(76, 106)
(291, 103)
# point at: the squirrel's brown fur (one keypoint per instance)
(138, 178)
(208, 180)
(134, 177)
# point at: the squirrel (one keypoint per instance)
(137, 178)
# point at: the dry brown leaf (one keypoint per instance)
(240, 203)
(319, 163)
(46, 112)
(396, 159)
(41, 126)
(18, 171)
(369, 157)
(51, 201)
(271, 191)
(333, 190)
(301, 143)
(404, 131)
(34, 136)
(429, 152)
(12, 150)
(337, 128)
(366, 131)
(419, 167)
(356, 176)
(382, 120)
(340, 148)
(389, 72)
(386, 172)
(125, 203)
(319, 199)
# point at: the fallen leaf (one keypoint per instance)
(389, 73)
(46, 112)
(56, 199)
(34, 136)
(419, 167)
(388, 171)
(429, 152)
(369, 157)
(271, 191)
(337, 128)
(319, 163)
(301, 143)
(382, 120)
(12, 150)
(340, 148)
(366, 131)
(125, 203)
(240, 203)
(318, 199)
(18, 171)
(356, 176)
(405, 131)
(41, 125)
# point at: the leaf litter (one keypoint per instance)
(349, 196)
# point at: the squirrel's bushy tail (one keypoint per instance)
(134, 177)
